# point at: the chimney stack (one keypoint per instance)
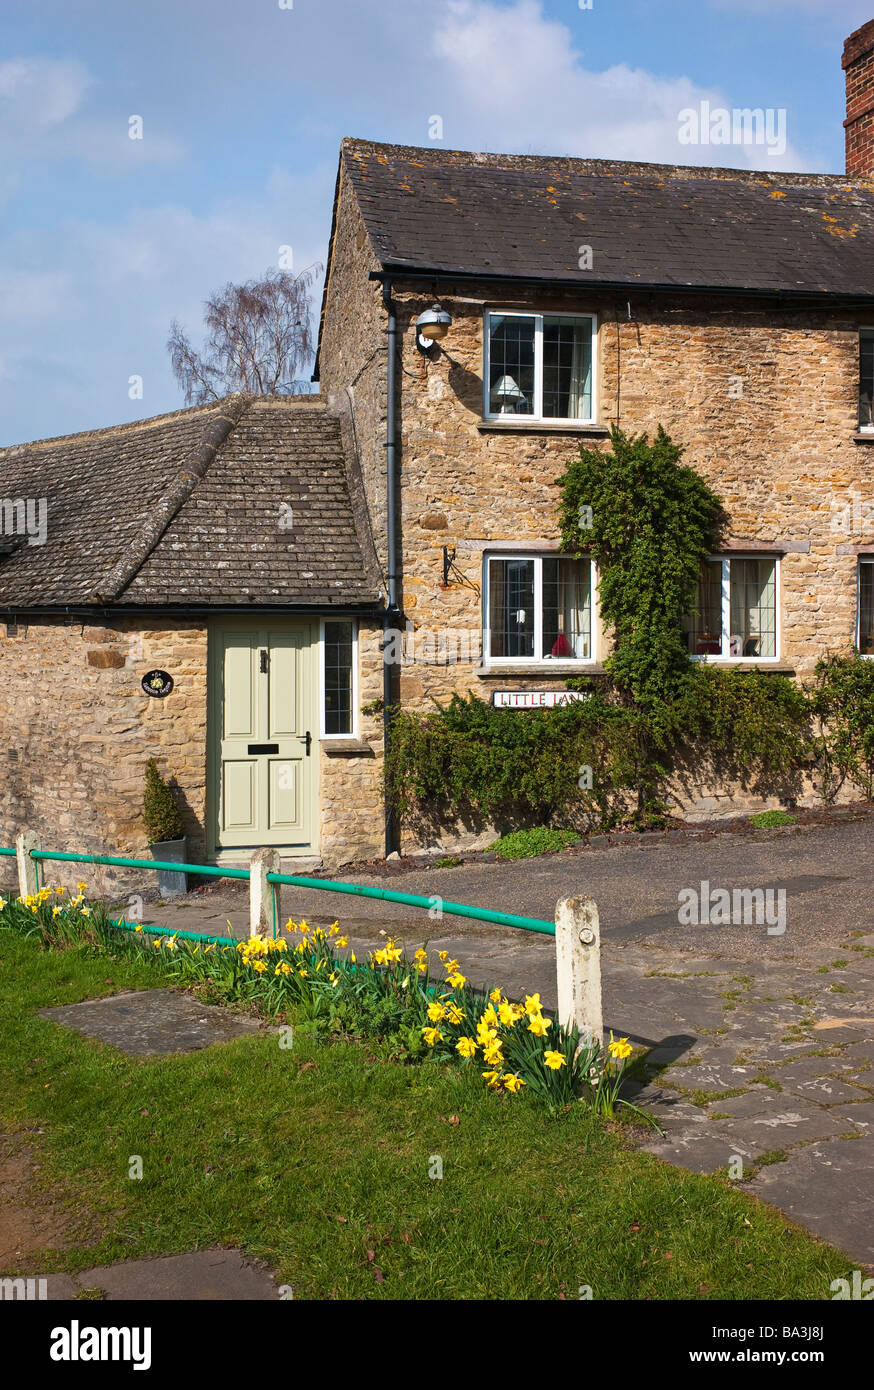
(858, 64)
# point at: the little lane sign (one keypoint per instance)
(536, 699)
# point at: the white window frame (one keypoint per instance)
(353, 733)
(537, 417)
(725, 635)
(862, 560)
(863, 328)
(536, 662)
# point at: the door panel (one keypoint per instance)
(285, 808)
(264, 701)
(240, 795)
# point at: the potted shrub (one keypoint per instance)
(163, 822)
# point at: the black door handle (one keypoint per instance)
(263, 661)
(308, 740)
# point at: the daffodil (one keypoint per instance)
(492, 1078)
(512, 1082)
(82, 887)
(454, 1014)
(538, 1026)
(554, 1060)
(533, 1004)
(432, 1036)
(466, 1047)
(619, 1047)
(444, 956)
(456, 980)
(506, 1014)
(495, 995)
(436, 1012)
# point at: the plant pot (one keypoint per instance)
(170, 884)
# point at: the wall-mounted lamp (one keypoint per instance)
(432, 327)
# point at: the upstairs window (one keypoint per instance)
(540, 366)
(538, 609)
(866, 379)
(735, 615)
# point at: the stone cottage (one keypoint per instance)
(288, 565)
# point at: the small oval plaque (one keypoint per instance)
(157, 683)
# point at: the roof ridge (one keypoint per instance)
(351, 146)
(104, 431)
(221, 423)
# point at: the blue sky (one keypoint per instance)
(104, 239)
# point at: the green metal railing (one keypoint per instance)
(482, 914)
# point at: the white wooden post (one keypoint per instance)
(262, 863)
(26, 841)
(578, 965)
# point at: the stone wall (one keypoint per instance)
(76, 730)
(763, 398)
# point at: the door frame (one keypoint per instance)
(214, 684)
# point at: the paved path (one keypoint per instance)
(760, 1048)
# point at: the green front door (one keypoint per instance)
(265, 734)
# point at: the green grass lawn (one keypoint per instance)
(317, 1159)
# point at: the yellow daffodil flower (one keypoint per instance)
(554, 1060)
(538, 1026)
(466, 1047)
(432, 1036)
(512, 1082)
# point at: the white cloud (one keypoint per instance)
(515, 83)
(43, 118)
(37, 94)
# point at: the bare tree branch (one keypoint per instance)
(259, 337)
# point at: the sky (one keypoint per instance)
(242, 104)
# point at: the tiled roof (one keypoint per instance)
(240, 502)
(646, 224)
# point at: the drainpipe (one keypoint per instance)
(392, 614)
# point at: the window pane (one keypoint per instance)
(703, 626)
(567, 609)
(339, 646)
(511, 364)
(866, 607)
(511, 607)
(753, 608)
(567, 368)
(866, 376)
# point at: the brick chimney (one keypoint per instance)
(858, 64)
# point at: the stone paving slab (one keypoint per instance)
(146, 1022)
(201, 1275)
(827, 1188)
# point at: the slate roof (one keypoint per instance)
(647, 224)
(191, 509)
